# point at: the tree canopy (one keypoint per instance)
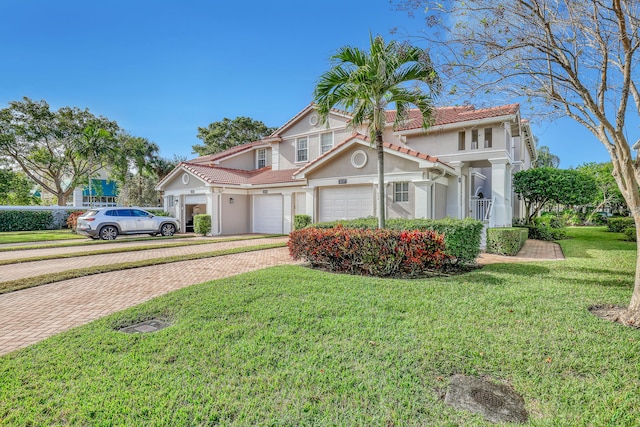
(54, 148)
(540, 186)
(222, 135)
(564, 57)
(16, 189)
(608, 194)
(366, 83)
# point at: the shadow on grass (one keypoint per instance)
(520, 269)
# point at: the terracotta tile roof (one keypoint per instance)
(415, 153)
(233, 150)
(218, 175)
(449, 115)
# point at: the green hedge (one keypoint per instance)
(619, 224)
(630, 234)
(506, 241)
(27, 220)
(300, 221)
(462, 236)
(202, 224)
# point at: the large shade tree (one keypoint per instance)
(574, 58)
(227, 133)
(367, 83)
(54, 148)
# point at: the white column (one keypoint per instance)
(310, 203)
(213, 209)
(499, 188)
(287, 211)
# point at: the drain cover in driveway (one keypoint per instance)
(144, 327)
(497, 403)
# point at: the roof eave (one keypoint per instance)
(456, 125)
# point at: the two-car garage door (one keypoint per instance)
(355, 201)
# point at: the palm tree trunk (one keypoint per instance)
(381, 188)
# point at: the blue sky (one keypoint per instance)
(163, 68)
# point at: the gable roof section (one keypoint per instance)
(451, 115)
(298, 116)
(362, 139)
(213, 158)
(214, 175)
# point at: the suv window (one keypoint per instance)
(111, 213)
(138, 212)
(90, 213)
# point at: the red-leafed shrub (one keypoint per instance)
(369, 252)
(72, 219)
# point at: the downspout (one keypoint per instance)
(219, 213)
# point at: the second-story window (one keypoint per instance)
(302, 150)
(261, 158)
(461, 141)
(474, 139)
(488, 137)
(326, 142)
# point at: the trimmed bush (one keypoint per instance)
(369, 252)
(23, 220)
(72, 219)
(301, 221)
(506, 241)
(462, 236)
(619, 224)
(202, 224)
(630, 234)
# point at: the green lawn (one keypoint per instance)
(293, 346)
(37, 236)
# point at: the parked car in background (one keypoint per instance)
(107, 223)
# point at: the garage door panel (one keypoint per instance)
(345, 202)
(267, 213)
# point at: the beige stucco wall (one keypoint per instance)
(400, 209)
(176, 184)
(235, 216)
(341, 165)
(244, 161)
(444, 144)
(440, 205)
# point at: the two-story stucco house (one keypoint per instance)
(461, 166)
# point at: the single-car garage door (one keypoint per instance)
(267, 213)
(351, 202)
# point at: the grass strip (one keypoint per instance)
(90, 242)
(133, 249)
(29, 282)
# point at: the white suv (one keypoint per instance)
(107, 223)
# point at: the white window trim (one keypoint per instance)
(306, 149)
(332, 141)
(258, 151)
(404, 194)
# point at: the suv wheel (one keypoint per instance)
(167, 229)
(108, 233)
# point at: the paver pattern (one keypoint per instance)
(36, 268)
(33, 314)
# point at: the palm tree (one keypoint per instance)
(366, 83)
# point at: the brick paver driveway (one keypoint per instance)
(33, 314)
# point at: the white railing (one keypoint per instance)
(481, 209)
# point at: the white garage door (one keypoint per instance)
(267, 213)
(345, 202)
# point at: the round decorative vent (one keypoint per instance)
(313, 119)
(185, 178)
(359, 159)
